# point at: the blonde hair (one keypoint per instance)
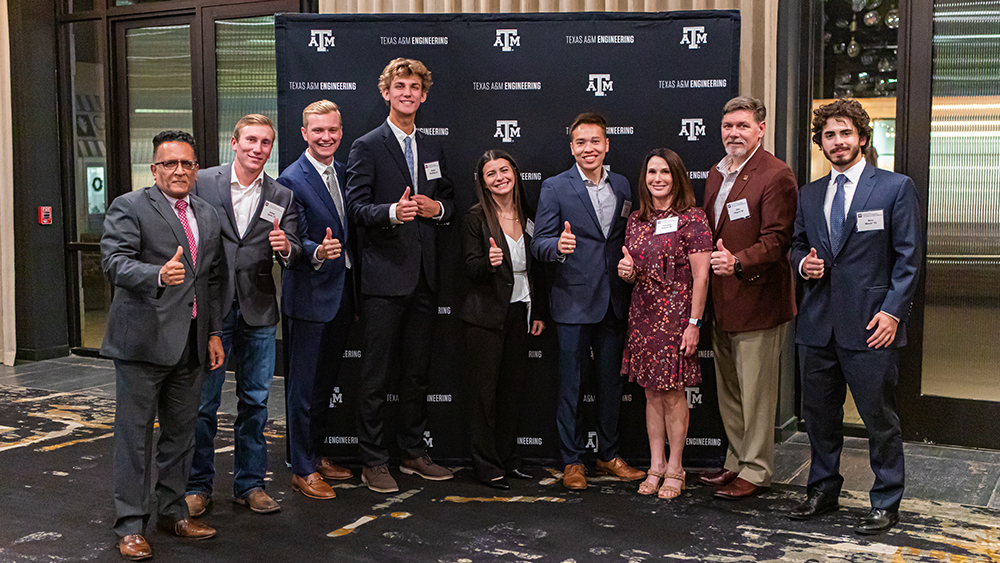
(251, 119)
(321, 107)
(405, 68)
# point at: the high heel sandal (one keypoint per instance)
(667, 492)
(645, 488)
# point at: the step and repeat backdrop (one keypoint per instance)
(515, 82)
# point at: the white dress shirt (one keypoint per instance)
(728, 179)
(245, 199)
(519, 263)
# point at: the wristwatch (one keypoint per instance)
(695, 322)
(737, 268)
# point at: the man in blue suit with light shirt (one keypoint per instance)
(857, 245)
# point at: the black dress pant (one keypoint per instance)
(498, 362)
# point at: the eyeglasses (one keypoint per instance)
(171, 165)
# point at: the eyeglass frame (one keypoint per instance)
(181, 163)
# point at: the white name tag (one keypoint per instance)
(870, 221)
(626, 208)
(667, 225)
(529, 227)
(271, 212)
(432, 170)
(738, 209)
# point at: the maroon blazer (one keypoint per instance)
(765, 296)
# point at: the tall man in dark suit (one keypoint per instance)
(258, 221)
(750, 203)
(397, 192)
(858, 244)
(162, 254)
(580, 225)
(317, 297)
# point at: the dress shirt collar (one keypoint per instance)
(400, 134)
(319, 166)
(173, 201)
(853, 173)
(586, 180)
(727, 162)
(254, 184)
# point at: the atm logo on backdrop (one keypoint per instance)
(321, 39)
(692, 128)
(507, 130)
(600, 84)
(694, 36)
(507, 39)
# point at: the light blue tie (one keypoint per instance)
(408, 153)
(837, 213)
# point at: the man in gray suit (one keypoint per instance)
(162, 254)
(258, 221)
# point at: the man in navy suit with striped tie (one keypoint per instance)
(857, 246)
(317, 297)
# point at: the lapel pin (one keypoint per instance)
(745, 177)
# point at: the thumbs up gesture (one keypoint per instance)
(496, 254)
(626, 266)
(329, 248)
(279, 242)
(406, 208)
(172, 273)
(567, 241)
(812, 266)
(722, 260)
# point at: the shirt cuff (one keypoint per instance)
(894, 317)
(801, 271)
(392, 215)
(440, 214)
(317, 262)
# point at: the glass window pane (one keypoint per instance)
(247, 78)
(87, 70)
(962, 313)
(159, 90)
(74, 6)
(95, 299)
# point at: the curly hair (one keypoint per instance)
(404, 68)
(843, 108)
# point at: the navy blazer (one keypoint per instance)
(586, 280)
(307, 293)
(872, 271)
(249, 258)
(376, 178)
(146, 322)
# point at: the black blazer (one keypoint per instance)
(489, 296)
(392, 255)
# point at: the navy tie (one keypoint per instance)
(408, 153)
(837, 213)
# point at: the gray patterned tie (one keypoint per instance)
(408, 153)
(837, 213)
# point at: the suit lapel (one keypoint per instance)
(812, 203)
(201, 212)
(392, 145)
(266, 193)
(584, 194)
(162, 206)
(863, 191)
(318, 186)
(223, 184)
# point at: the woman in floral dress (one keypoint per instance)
(667, 248)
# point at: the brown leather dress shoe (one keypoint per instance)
(259, 501)
(188, 528)
(197, 503)
(620, 469)
(313, 486)
(739, 488)
(328, 470)
(134, 548)
(574, 478)
(719, 478)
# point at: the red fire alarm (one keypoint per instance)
(45, 215)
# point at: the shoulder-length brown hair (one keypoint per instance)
(485, 196)
(681, 192)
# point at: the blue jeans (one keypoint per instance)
(251, 352)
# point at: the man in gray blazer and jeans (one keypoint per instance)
(162, 254)
(258, 221)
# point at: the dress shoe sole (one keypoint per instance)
(253, 508)
(408, 471)
(310, 495)
(723, 496)
(817, 514)
(876, 531)
(376, 489)
(335, 478)
(575, 488)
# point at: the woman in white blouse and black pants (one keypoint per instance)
(503, 310)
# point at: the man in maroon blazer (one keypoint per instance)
(750, 200)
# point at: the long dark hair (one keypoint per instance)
(485, 196)
(681, 192)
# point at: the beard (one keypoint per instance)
(736, 151)
(844, 158)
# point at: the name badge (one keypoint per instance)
(870, 221)
(432, 170)
(626, 208)
(738, 209)
(271, 212)
(529, 227)
(666, 225)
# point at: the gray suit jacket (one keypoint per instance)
(249, 259)
(148, 323)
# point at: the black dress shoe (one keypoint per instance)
(498, 483)
(816, 503)
(877, 521)
(518, 474)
